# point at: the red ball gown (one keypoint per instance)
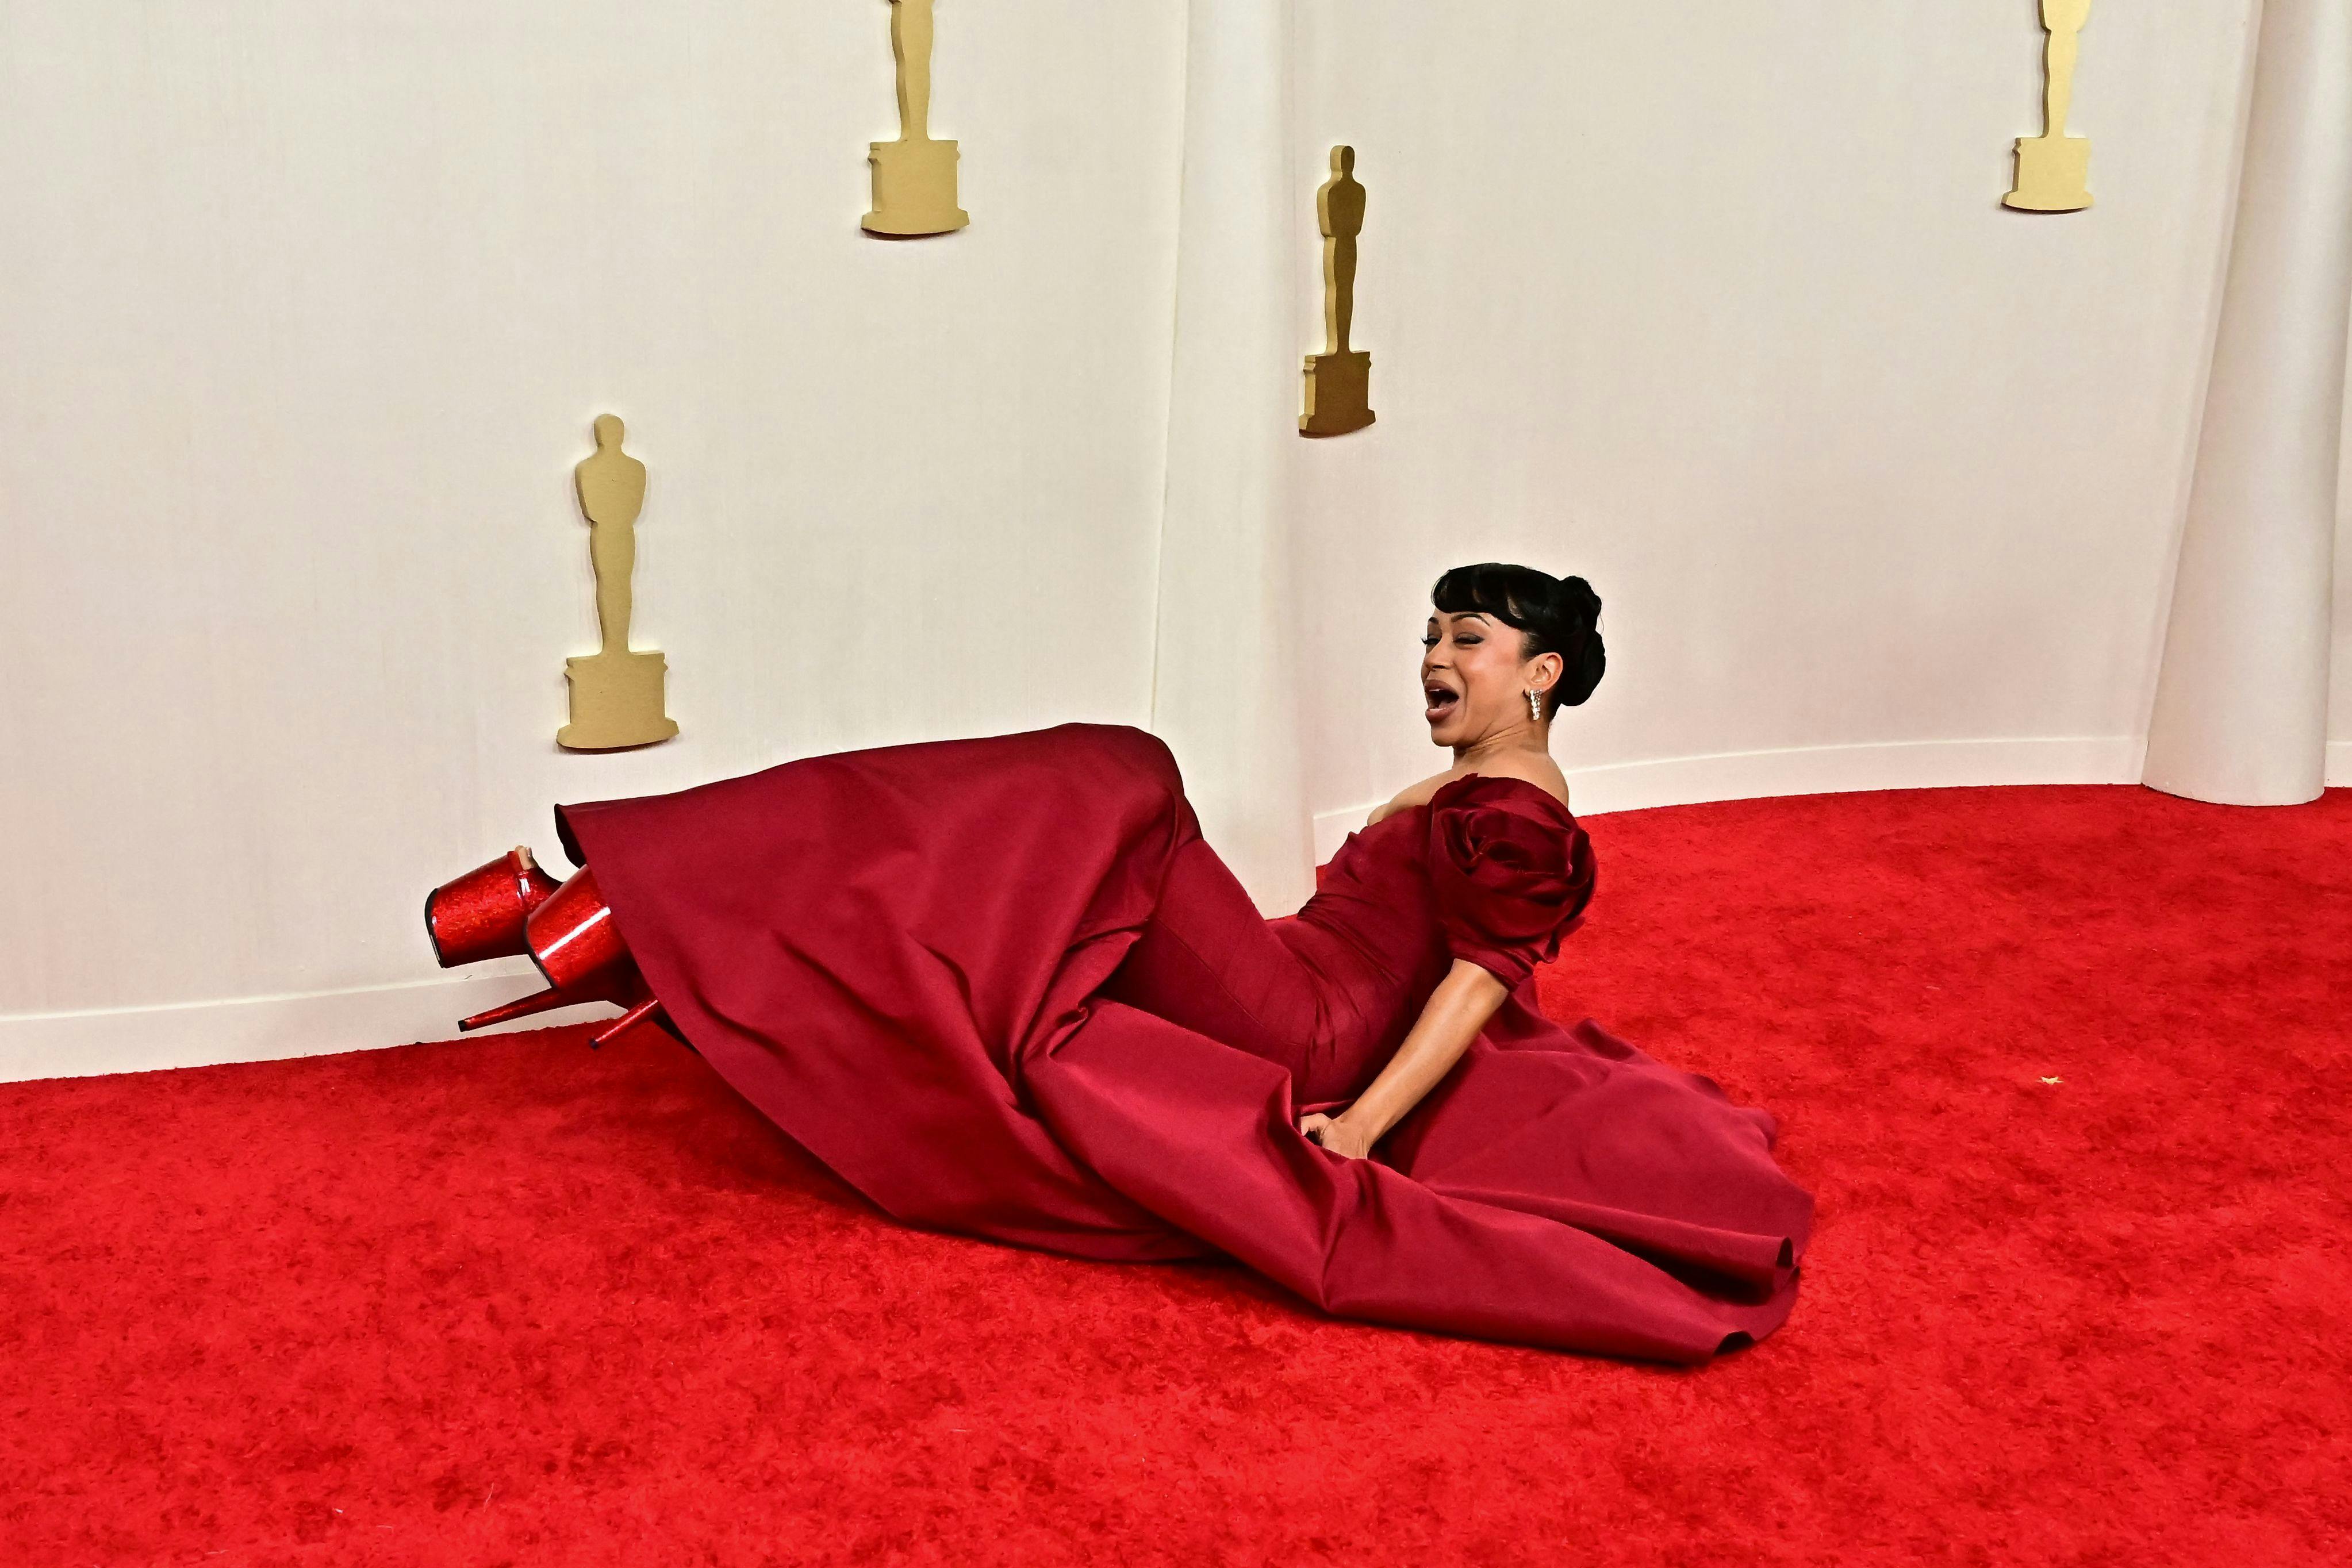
(1003, 987)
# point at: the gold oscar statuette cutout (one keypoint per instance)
(2053, 169)
(617, 695)
(914, 177)
(1339, 378)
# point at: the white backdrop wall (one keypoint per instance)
(307, 308)
(1717, 304)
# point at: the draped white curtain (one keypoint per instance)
(1225, 690)
(2240, 713)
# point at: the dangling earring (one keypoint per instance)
(1534, 706)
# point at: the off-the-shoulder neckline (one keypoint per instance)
(1547, 795)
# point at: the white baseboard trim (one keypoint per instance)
(1821, 771)
(2339, 764)
(260, 1029)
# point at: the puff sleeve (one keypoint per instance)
(1511, 872)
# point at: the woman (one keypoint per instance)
(1003, 987)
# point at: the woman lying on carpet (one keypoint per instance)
(1003, 987)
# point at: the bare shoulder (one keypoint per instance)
(1530, 768)
(1412, 795)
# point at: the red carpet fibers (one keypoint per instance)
(507, 1301)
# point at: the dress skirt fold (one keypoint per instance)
(915, 961)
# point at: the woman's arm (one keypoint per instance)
(1452, 1019)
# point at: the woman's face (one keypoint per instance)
(1474, 680)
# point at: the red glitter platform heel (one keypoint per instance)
(481, 914)
(511, 907)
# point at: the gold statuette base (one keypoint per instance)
(1339, 393)
(617, 702)
(915, 189)
(2053, 174)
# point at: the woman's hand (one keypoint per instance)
(1456, 1011)
(1336, 1134)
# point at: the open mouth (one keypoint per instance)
(1440, 700)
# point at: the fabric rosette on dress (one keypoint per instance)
(1511, 871)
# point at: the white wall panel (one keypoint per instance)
(1717, 306)
(304, 311)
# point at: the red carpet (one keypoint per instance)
(507, 1300)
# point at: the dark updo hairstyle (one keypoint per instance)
(1554, 615)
